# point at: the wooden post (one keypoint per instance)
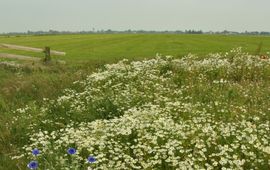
(47, 52)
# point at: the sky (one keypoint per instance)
(79, 15)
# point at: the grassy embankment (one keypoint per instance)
(84, 53)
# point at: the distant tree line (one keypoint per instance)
(109, 31)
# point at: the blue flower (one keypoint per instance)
(91, 159)
(35, 151)
(33, 165)
(71, 151)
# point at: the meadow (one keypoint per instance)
(197, 110)
(81, 48)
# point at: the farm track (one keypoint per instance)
(19, 57)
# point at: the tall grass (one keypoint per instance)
(163, 113)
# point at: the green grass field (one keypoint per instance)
(85, 51)
(110, 47)
(30, 84)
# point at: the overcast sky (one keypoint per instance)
(77, 15)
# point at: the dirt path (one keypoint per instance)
(18, 47)
(19, 57)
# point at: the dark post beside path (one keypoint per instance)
(47, 52)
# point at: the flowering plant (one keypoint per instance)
(163, 113)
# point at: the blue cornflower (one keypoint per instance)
(33, 165)
(91, 159)
(71, 151)
(35, 151)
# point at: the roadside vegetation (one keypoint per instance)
(194, 111)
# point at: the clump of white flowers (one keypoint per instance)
(162, 113)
